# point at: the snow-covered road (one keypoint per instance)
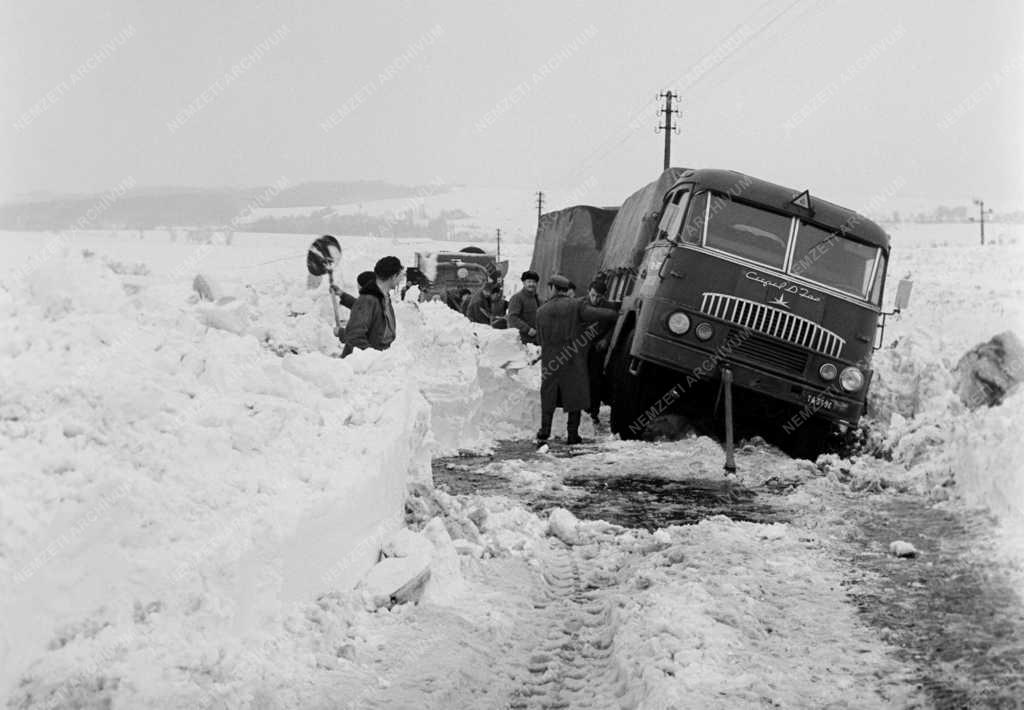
(812, 612)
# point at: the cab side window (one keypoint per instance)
(672, 217)
(693, 232)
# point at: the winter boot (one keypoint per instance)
(573, 429)
(544, 433)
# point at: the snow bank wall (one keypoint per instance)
(963, 295)
(150, 462)
(945, 448)
(181, 475)
(479, 381)
(988, 456)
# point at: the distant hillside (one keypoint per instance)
(130, 211)
(323, 194)
(147, 207)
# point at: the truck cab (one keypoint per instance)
(779, 286)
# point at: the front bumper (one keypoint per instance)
(705, 365)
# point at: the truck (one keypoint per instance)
(725, 280)
(443, 272)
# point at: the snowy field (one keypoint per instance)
(190, 490)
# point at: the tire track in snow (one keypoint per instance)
(573, 665)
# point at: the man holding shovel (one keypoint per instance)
(348, 300)
(364, 326)
(372, 323)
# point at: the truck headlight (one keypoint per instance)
(827, 371)
(851, 379)
(679, 323)
(704, 331)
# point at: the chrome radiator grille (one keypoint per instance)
(772, 321)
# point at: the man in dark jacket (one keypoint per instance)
(522, 308)
(479, 308)
(372, 323)
(499, 307)
(348, 300)
(598, 349)
(565, 328)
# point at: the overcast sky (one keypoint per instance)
(849, 98)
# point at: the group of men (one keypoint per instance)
(573, 334)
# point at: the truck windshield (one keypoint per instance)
(835, 261)
(748, 232)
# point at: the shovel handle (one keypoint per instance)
(334, 303)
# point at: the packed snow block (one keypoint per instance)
(326, 374)
(396, 580)
(565, 526)
(206, 288)
(987, 372)
(61, 284)
(446, 581)
(230, 314)
(407, 543)
(900, 548)
(570, 242)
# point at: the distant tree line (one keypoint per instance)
(327, 221)
(951, 214)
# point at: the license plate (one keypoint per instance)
(819, 401)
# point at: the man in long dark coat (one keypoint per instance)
(565, 328)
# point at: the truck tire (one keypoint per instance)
(628, 391)
(813, 438)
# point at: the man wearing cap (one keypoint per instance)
(522, 308)
(372, 323)
(478, 310)
(565, 328)
(596, 296)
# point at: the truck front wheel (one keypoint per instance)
(628, 392)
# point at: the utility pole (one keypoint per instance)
(498, 230)
(669, 127)
(540, 206)
(981, 217)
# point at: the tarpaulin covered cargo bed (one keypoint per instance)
(570, 242)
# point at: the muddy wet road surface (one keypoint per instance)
(627, 499)
(951, 612)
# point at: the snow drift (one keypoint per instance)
(179, 477)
